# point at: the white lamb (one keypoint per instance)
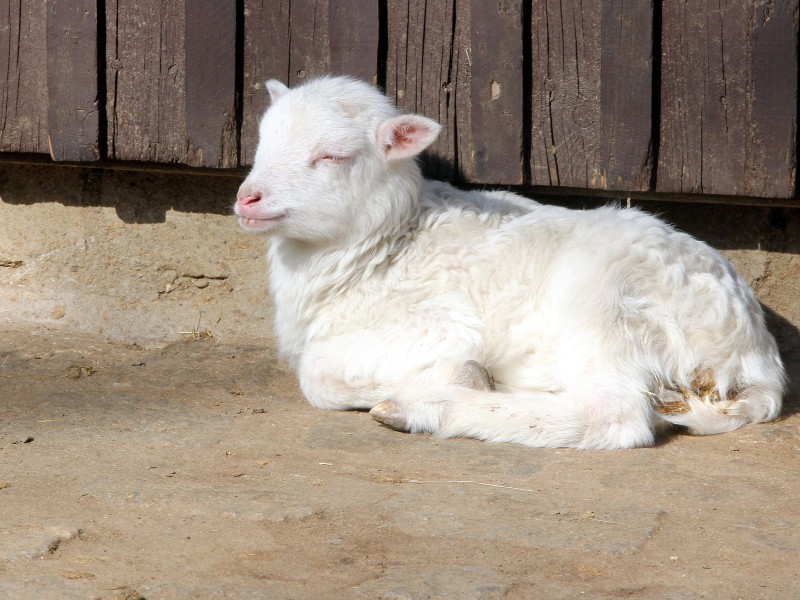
(392, 293)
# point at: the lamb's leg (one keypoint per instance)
(472, 375)
(348, 373)
(601, 418)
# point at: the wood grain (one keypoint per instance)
(285, 40)
(497, 91)
(565, 94)
(210, 30)
(146, 76)
(266, 56)
(23, 76)
(295, 40)
(626, 95)
(73, 116)
(728, 117)
(582, 114)
(353, 32)
(428, 72)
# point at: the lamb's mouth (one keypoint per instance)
(261, 224)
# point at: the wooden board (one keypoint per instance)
(295, 40)
(628, 142)
(728, 116)
(497, 92)
(23, 76)
(211, 128)
(145, 79)
(266, 56)
(428, 72)
(73, 112)
(353, 38)
(565, 95)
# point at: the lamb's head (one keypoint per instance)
(335, 159)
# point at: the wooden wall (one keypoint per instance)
(692, 97)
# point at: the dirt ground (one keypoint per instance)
(197, 470)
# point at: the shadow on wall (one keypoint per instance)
(788, 338)
(139, 197)
(143, 196)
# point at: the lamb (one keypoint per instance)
(485, 314)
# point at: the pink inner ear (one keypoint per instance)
(403, 137)
(404, 140)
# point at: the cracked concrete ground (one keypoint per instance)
(137, 461)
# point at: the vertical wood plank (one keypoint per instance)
(285, 40)
(73, 111)
(729, 84)
(428, 72)
(145, 78)
(294, 40)
(497, 91)
(353, 32)
(626, 84)
(308, 41)
(266, 55)
(23, 76)
(210, 31)
(772, 156)
(565, 95)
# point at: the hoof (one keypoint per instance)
(475, 376)
(389, 413)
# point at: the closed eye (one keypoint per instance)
(328, 160)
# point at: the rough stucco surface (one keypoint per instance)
(193, 468)
(128, 255)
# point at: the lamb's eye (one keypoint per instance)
(328, 159)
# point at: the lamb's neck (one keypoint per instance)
(373, 243)
(322, 270)
(305, 277)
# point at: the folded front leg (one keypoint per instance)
(591, 419)
(361, 372)
(472, 375)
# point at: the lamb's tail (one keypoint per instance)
(704, 410)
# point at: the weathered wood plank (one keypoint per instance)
(73, 111)
(497, 91)
(23, 76)
(729, 104)
(145, 77)
(427, 72)
(565, 95)
(294, 40)
(353, 36)
(266, 55)
(772, 158)
(308, 40)
(285, 40)
(626, 101)
(210, 31)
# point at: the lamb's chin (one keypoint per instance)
(265, 225)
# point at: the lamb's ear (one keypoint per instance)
(406, 135)
(276, 89)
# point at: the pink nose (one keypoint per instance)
(248, 200)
